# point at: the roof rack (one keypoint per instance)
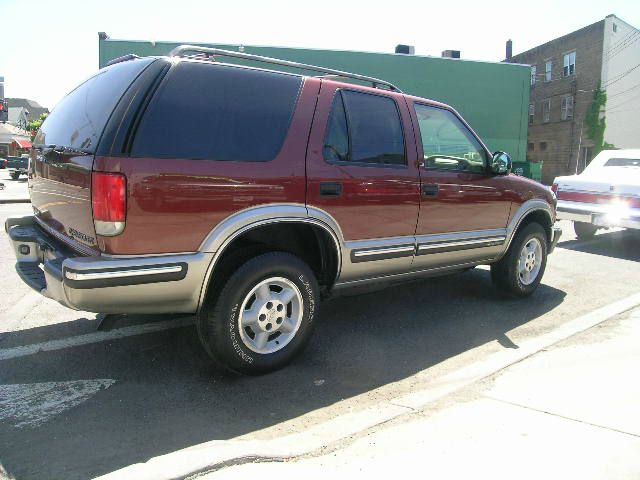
(205, 53)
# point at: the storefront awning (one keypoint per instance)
(22, 143)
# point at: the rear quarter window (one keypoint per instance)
(218, 112)
(623, 162)
(78, 120)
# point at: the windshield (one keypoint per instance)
(78, 119)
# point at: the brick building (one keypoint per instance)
(565, 73)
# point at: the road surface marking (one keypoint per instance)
(96, 337)
(32, 404)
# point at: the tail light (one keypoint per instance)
(109, 202)
(554, 188)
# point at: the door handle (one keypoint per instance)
(330, 189)
(430, 190)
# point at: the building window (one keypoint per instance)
(532, 112)
(615, 28)
(569, 64)
(530, 147)
(566, 110)
(533, 75)
(548, 68)
(546, 110)
(543, 146)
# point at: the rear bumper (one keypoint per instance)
(169, 283)
(602, 215)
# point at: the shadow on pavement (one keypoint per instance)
(621, 244)
(167, 395)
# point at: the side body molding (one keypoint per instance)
(238, 223)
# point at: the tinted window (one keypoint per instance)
(78, 119)
(623, 162)
(365, 128)
(337, 142)
(447, 143)
(208, 111)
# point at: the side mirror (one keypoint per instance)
(501, 163)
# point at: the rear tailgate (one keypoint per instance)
(65, 146)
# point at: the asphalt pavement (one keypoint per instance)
(78, 402)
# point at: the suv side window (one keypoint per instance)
(218, 112)
(364, 128)
(447, 143)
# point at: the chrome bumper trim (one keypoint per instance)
(122, 273)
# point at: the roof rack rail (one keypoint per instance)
(207, 52)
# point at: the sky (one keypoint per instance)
(48, 46)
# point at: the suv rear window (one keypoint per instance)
(218, 112)
(79, 118)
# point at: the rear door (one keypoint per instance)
(64, 148)
(464, 208)
(361, 169)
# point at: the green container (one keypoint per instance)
(528, 169)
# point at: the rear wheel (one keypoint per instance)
(584, 230)
(264, 315)
(520, 271)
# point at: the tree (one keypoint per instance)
(34, 125)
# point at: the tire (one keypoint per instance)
(277, 328)
(584, 230)
(15, 175)
(510, 273)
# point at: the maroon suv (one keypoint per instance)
(245, 195)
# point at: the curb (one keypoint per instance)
(215, 455)
(14, 200)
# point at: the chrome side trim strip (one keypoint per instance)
(461, 243)
(383, 251)
(122, 273)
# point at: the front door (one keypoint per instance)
(361, 169)
(464, 208)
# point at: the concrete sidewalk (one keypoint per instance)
(570, 411)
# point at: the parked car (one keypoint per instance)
(246, 195)
(17, 166)
(3, 163)
(606, 194)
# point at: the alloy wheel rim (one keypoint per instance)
(530, 261)
(271, 315)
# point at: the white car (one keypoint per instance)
(606, 194)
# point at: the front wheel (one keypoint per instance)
(520, 271)
(15, 175)
(263, 317)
